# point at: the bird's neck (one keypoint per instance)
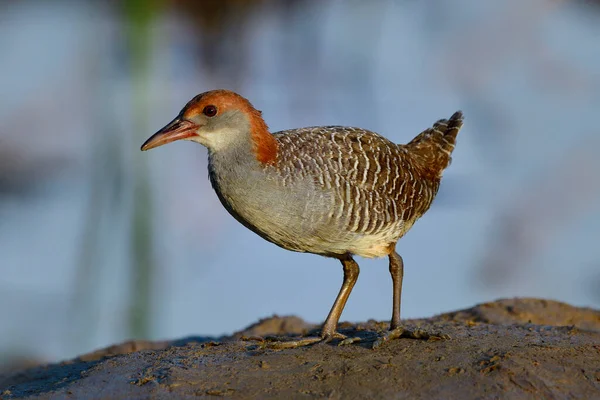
(246, 162)
(237, 177)
(233, 158)
(234, 165)
(250, 148)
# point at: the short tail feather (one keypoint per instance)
(434, 145)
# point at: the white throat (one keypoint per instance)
(221, 139)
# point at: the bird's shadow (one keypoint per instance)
(50, 377)
(43, 379)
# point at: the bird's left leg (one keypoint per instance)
(396, 330)
(329, 329)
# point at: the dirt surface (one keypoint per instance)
(517, 349)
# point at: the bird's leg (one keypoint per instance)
(328, 331)
(351, 272)
(396, 331)
(397, 272)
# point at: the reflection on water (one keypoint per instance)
(517, 214)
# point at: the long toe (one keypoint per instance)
(333, 336)
(350, 340)
(292, 344)
(283, 343)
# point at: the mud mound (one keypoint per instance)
(517, 348)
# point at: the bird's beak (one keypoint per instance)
(177, 129)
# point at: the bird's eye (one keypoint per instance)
(210, 111)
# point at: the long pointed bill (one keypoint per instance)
(177, 129)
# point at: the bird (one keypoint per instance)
(335, 191)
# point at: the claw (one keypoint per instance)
(389, 335)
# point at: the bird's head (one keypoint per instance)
(219, 120)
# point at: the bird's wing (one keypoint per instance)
(369, 174)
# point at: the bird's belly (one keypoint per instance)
(288, 224)
(298, 226)
(293, 234)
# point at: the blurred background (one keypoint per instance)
(100, 242)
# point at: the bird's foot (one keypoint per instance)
(279, 343)
(401, 332)
(396, 333)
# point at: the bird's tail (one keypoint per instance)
(434, 146)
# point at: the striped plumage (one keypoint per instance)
(379, 187)
(335, 191)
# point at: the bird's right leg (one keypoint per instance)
(329, 330)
